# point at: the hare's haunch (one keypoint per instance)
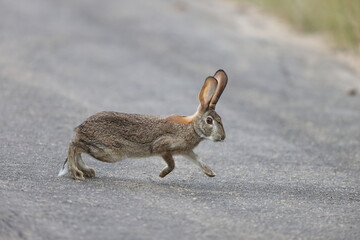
(113, 136)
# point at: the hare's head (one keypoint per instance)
(208, 123)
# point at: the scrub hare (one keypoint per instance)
(113, 136)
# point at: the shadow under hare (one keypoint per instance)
(113, 136)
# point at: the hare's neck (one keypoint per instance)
(197, 136)
(182, 119)
(197, 130)
(199, 133)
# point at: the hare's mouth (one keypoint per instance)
(216, 138)
(221, 139)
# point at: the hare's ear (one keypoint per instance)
(222, 79)
(207, 93)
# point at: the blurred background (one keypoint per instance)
(339, 20)
(289, 168)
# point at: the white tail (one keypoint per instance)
(64, 170)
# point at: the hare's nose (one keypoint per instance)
(223, 138)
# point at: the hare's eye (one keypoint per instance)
(209, 120)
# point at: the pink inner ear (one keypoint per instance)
(207, 92)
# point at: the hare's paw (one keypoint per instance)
(208, 171)
(89, 172)
(76, 174)
(165, 172)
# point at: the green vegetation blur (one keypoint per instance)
(340, 19)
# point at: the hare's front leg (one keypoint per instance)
(171, 165)
(197, 160)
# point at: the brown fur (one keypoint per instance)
(113, 136)
(180, 119)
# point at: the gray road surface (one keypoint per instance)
(289, 168)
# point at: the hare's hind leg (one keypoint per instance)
(72, 163)
(88, 172)
(171, 165)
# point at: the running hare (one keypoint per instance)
(113, 136)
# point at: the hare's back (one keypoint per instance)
(111, 127)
